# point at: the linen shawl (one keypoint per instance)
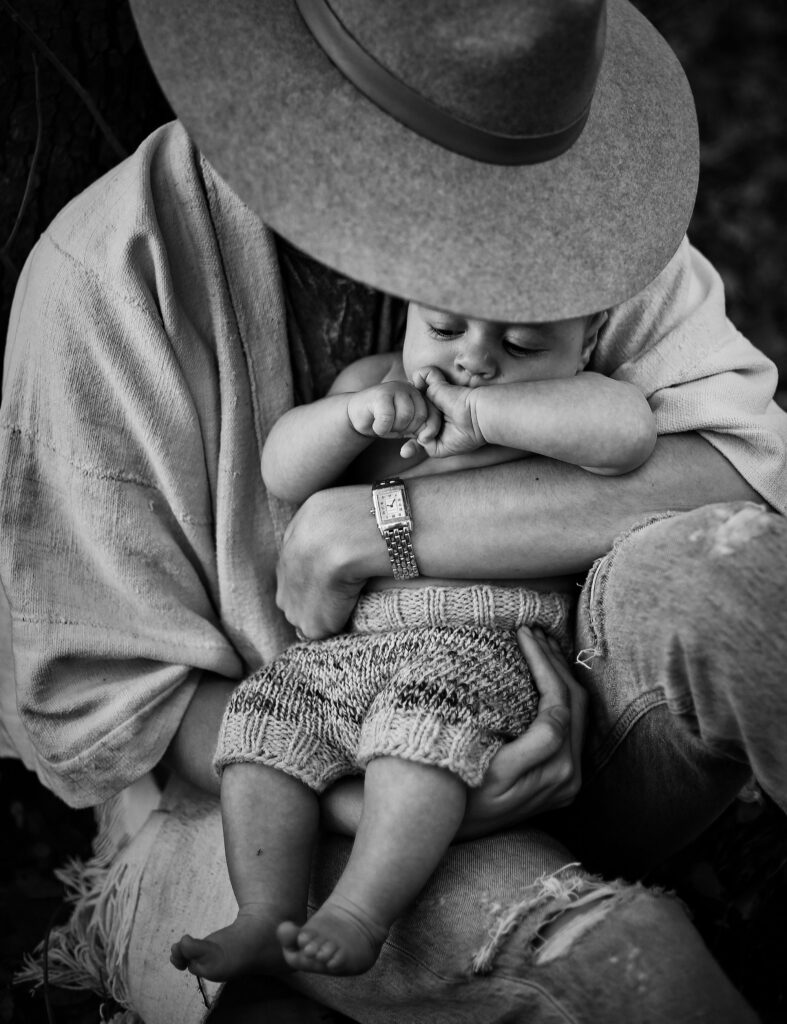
(147, 359)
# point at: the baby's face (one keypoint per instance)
(474, 353)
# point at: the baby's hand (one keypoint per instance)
(456, 404)
(391, 409)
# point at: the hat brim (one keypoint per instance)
(341, 180)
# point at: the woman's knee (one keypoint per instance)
(634, 955)
(718, 567)
(686, 611)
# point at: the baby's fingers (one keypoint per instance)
(383, 412)
(425, 376)
(398, 414)
(412, 413)
(409, 448)
(432, 426)
(425, 433)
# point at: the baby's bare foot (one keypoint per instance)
(247, 946)
(340, 938)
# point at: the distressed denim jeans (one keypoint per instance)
(681, 646)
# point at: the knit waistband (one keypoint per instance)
(482, 605)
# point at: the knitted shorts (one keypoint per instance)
(432, 675)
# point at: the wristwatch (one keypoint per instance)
(395, 523)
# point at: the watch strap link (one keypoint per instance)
(400, 551)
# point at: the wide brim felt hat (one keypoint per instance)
(335, 168)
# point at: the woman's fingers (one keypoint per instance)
(549, 732)
(552, 744)
(577, 695)
(540, 657)
(540, 770)
(549, 665)
(543, 739)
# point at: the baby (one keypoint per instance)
(421, 692)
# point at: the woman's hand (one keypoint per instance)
(330, 548)
(540, 770)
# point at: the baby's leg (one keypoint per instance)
(270, 822)
(410, 814)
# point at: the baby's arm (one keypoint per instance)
(602, 425)
(311, 445)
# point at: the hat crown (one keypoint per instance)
(383, 138)
(512, 68)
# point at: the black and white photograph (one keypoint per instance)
(393, 482)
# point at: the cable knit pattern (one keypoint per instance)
(432, 675)
(482, 605)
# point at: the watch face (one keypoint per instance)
(392, 504)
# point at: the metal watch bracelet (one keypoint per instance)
(401, 553)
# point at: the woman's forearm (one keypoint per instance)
(526, 519)
(538, 517)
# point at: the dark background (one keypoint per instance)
(76, 95)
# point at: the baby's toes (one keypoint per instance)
(328, 954)
(310, 943)
(320, 950)
(321, 954)
(288, 934)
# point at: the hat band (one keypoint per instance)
(414, 111)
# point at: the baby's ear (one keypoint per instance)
(592, 328)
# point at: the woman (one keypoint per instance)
(159, 331)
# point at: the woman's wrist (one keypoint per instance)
(351, 533)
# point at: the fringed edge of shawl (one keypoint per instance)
(88, 951)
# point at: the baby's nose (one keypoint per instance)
(477, 361)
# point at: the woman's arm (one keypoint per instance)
(531, 518)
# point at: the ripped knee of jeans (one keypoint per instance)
(581, 900)
(732, 527)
